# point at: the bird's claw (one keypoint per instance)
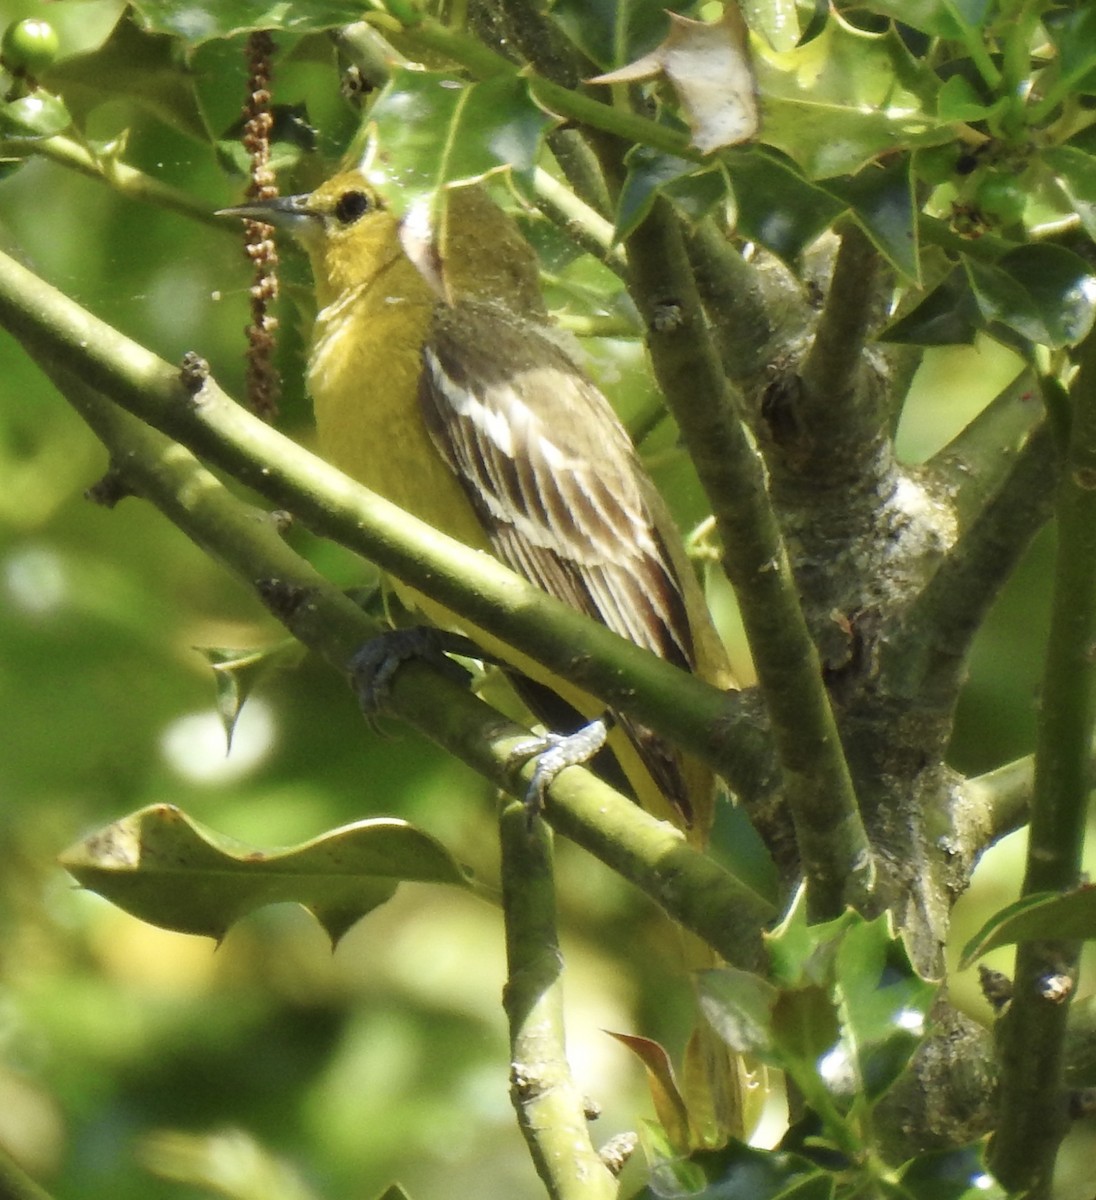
(374, 665)
(555, 752)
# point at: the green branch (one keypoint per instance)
(835, 852)
(927, 656)
(1033, 1114)
(691, 888)
(841, 407)
(975, 465)
(709, 723)
(123, 179)
(756, 309)
(547, 1102)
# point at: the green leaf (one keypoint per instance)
(613, 32)
(146, 68)
(842, 99)
(802, 954)
(1045, 293)
(959, 101)
(947, 316)
(740, 1172)
(959, 1174)
(38, 115)
(694, 192)
(165, 868)
(1069, 916)
(805, 1032)
(884, 1004)
(228, 18)
(941, 18)
(882, 199)
(433, 130)
(236, 672)
(776, 205)
(739, 1007)
(1075, 173)
(1073, 32)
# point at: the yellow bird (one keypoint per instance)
(470, 414)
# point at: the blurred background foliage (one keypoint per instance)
(387, 1058)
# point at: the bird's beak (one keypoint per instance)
(290, 213)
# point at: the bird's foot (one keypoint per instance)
(373, 667)
(555, 752)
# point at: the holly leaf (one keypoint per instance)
(959, 1174)
(1069, 916)
(694, 193)
(612, 32)
(237, 672)
(882, 200)
(145, 68)
(836, 102)
(707, 63)
(776, 205)
(433, 131)
(666, 1096)
(197, 23)
(1074, 172)
(162, 866)
(883, 1005)
(940, 18)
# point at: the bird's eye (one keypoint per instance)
(352, 205)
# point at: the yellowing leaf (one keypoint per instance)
(708, 65)
(165, 868)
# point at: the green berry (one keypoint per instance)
(1001, 198)
(29, 47)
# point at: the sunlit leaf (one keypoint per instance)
(38, 115)
(432, 130)
(941, 18)
(1075, 173)
(802, 954)
(162, 866)
(739, 1007)
(196, 23)
(845, 97)
(884, 1004)
(1045, 293)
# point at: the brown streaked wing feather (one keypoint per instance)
(552, 475)
(554, 479)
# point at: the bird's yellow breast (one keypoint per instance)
(363, 376)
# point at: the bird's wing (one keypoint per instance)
(552, 474)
